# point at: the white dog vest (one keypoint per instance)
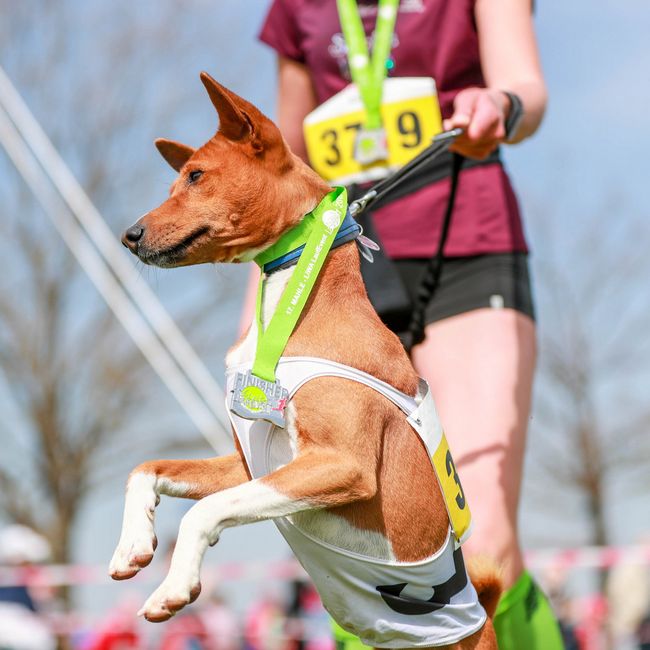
(388, 604)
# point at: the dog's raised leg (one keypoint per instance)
(315, 479)
(192, 479)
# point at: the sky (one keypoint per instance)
(582, 181)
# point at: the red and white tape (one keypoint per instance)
(79, 574)
(49, 575)
(588, 557)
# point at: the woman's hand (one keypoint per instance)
(482, 113)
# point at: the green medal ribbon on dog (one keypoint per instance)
(257, 394)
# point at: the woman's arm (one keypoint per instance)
(509, 56)
(510, 62)
(296, 99)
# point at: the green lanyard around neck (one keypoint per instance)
(322, 225)
(368, 73)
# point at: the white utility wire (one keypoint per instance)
(109, 288)
(111, 250)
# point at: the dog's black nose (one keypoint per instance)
(132, 236)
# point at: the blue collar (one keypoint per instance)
(348, 231)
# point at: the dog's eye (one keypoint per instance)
(194, 175)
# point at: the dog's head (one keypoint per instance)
(233, 197)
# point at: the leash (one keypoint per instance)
(433, 271)
(431, 277)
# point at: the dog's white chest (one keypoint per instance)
(244, 352)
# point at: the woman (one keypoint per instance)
(479, 351)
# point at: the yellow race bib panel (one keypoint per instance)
(425, 421)
(410, 115)
(452, 490)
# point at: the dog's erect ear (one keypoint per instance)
(239, 120)
(175, 153)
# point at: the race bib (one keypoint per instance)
(410, 116)
(452, 490)
(425, 421)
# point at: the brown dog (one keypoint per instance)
(348, 474)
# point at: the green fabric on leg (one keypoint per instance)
(345, 640)
(524, 619)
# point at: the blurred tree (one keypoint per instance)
(76, 386)
(87, 406)
(591, 417)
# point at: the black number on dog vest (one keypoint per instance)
(392, 594)
(451, 468)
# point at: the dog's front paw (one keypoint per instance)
(169, 598)
(138, 539)
(130, 556)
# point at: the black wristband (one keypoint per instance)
(515, 115)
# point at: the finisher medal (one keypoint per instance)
(370, 146)
(257, 399)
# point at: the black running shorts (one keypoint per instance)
(495, 281)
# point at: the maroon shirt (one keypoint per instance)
(433, 38)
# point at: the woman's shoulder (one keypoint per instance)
(281, 28)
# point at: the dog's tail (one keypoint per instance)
(486, 578)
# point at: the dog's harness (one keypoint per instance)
(386, 603)
(348, 231)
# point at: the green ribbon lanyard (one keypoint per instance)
(317, 231)
(368, 73)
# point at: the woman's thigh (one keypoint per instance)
(480, 367)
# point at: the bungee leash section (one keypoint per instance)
(431, 277)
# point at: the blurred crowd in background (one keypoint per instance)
(35, 618)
